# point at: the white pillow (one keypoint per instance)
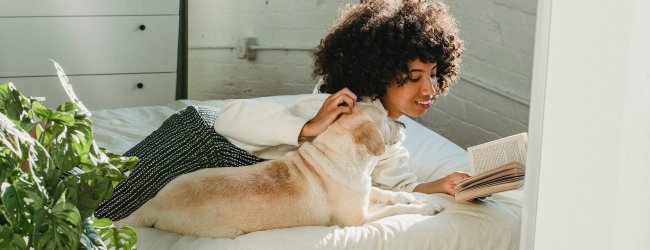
(432, 156)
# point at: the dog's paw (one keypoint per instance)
(429, 209)
(402, 198)
(420, 201)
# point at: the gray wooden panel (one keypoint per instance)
(103, 91)
(88, 45)
(87, 7)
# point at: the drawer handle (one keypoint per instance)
(142, 27)
(139, 85)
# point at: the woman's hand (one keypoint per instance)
(336, 104)
(449, 182)
(446, 184)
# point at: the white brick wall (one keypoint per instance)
(490, 101)
(219, 73)
(470, 115)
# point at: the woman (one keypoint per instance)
(401, 54)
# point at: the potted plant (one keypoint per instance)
(53, 176)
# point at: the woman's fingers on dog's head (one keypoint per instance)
(344, 100)
(343, 110)
(347, 92)
(342, 97)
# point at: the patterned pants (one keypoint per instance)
(184, 143)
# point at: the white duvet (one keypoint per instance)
(490, 224)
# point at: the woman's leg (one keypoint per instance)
(184, 143)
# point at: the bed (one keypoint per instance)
(493, 223)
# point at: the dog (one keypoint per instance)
(325, 182)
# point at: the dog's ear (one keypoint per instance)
(368, 134)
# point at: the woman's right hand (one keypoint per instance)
(336, 104)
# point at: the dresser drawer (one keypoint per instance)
(87, 7)
(88, 45)
(103, 91)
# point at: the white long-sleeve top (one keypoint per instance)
(269, 130)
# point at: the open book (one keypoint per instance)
(497, 166)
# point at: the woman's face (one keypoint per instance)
(416, 95)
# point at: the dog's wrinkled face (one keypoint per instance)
(373, 129)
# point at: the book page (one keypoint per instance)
(500, 181)
(476, 192)
(498, 152)
(508, 170)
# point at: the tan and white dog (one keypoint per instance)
(325, 182)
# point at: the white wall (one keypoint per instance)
(220, 74)
(491, 99)
(593, 155)
(489, 102)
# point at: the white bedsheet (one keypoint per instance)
(490, 224)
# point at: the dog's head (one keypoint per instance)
(368, 127)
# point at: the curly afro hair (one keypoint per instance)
(372, 42)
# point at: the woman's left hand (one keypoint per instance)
(449, 182)
(446, 184)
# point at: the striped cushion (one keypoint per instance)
(184, 143)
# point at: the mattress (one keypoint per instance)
(493, 223)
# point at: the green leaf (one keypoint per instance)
(86, 243)
(117, 238)
(53, 115)
(9, 167)
(10, 240)
(14, 208)
(44, 170)
(10, 103)
(64, 147)
(85, 191)
(90, 238)
(69, 107)
(59, 228)
(102, 223)
(122, 162)
(68, 145)
(92, 193)
(20, 201)
(15, 106)
(69, 187)
(38, 206)
(65, 83)
(14, 140)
